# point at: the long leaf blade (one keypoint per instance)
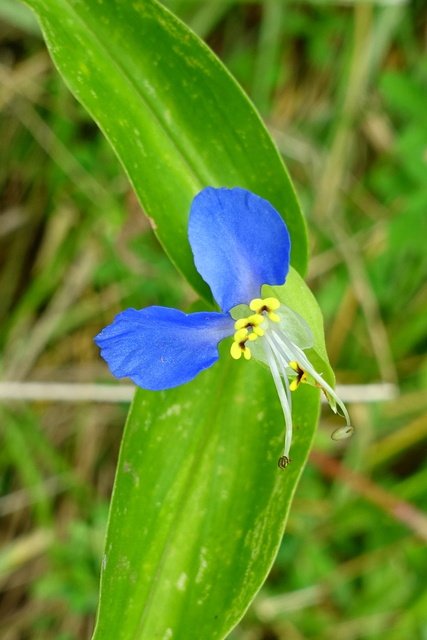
(199, 504)
(175, 117)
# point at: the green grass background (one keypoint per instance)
(343, 91)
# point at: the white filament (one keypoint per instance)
(279, 351)
(286, 347)
(282, 387)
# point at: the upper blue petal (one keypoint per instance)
(239, 242)
(159, 348)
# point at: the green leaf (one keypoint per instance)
(175, 117)
(199, 504)
(296, 295)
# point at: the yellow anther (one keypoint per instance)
(250, 321)
(301, 376)
(241, 335)
(269, 305)
(272, 303)
(255, 320)
(256, 305)
(237, 349)
(294, 385)
(241, 323)
(248, 329)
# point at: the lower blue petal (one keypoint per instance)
(159, 348)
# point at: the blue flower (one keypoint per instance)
(240, 243)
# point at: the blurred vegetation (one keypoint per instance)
(342, 88)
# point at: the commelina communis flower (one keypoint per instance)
(240, 243)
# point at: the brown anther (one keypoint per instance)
(300, 373)
(283, 462)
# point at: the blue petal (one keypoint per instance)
(239, 243)
(160, 348)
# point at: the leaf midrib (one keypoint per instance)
(198, 457)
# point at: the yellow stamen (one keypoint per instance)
(256, 305)
(242, 323)
(240, 335)
(269, 305)
(255, 320)
(272, 303)
(294, 385)
(301, 376)
(236, 351)
(250, 321)
(239, 348)
(248, 329)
